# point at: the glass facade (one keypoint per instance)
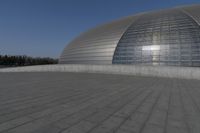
(168, 37)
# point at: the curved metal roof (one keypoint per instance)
(99, 45)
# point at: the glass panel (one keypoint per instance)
(167, 37)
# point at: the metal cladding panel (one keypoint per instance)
(167, 37)
(194, 12)
(97, 45)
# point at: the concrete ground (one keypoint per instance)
(97, 103)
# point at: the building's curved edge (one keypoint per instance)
(193, 12)
(136, 70)
(122, 36)
(86, 55)
(96, 45)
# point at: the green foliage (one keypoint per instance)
(6, 60)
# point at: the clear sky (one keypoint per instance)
(44, 27)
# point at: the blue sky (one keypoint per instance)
(44, 27)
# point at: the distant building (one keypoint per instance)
(165, 37)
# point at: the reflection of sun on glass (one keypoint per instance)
(151, 48)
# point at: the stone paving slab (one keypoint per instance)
(53, 102)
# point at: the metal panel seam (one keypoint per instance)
(123, 35)
(189, 15)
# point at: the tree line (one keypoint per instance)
(23, 60)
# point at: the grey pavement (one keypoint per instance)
(54, 102)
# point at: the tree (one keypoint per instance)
(23, 60)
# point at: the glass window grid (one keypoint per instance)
(161, 29)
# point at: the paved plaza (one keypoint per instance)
(97, 103)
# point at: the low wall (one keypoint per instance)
(155, 71)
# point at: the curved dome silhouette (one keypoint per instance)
(167, 37)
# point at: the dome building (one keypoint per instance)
(167, 37)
